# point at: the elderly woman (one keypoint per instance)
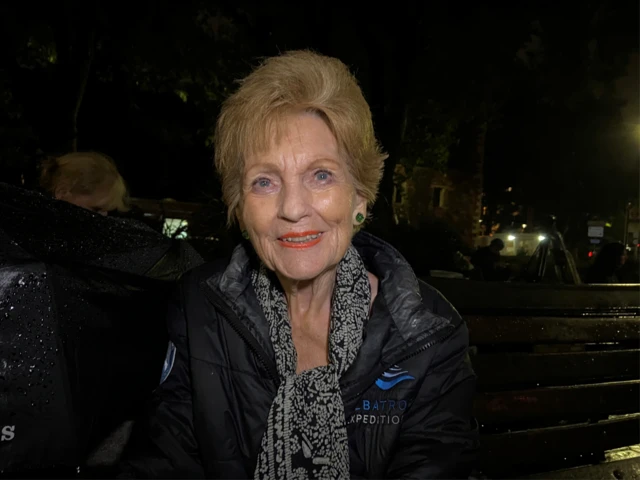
(311, 353)
(89, 180)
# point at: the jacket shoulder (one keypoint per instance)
(436, 303)
(189, 296)
(202, 273)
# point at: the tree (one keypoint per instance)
(428, 70)
(51, 59)
(151, 81)
(172, 69)
(580, 156)
(25, 47)
(462, 75)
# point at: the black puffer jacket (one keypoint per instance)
(210, 413)
(81, 332)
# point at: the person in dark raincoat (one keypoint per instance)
(82, 335)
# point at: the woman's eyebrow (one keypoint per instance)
(262, 167)
(323, 160)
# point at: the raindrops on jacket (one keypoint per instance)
(24, 336)
(81, 323)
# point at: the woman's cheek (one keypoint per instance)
(335, 204)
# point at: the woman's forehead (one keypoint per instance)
(299, 141)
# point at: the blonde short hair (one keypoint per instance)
(296, 81)
(82, 173)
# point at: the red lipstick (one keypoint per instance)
(300, 239)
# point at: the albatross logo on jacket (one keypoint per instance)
(378, 407)
(380, 412)
(393, 377)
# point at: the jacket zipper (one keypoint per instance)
(420, 350)
(243, 333)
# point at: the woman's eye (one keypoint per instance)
(262, 183)
(323, 176)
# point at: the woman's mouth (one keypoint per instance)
(300, 239)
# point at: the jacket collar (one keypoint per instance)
(399, 287)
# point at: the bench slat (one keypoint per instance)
(501, 371)
(485, 330)
(625, 469)
(558, 402)
(557, 447)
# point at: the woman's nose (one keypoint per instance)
(294, 202)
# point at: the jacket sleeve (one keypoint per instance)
(439, 437)
(163, 444)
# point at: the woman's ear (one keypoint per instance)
(360, 210)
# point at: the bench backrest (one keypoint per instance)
(554, 392)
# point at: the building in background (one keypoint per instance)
(454, 197)
(504, 210)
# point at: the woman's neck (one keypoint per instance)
(309, 305)
(309, 301)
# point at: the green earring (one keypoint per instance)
(245, 234)
(359, 218)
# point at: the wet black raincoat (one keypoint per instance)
(82, 333)
(408, 395)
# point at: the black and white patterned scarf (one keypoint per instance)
(306, 435)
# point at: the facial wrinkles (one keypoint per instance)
(291, 166)
(291, 162)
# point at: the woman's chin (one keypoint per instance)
(303, 271)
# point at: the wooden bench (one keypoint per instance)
(556, 392)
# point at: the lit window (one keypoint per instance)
(438, 197)
(175, 228)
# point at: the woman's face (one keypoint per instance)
(299, 203)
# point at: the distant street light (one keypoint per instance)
(511, 238)
(541, 238)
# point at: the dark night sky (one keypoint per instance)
(572, 119)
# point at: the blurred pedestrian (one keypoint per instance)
(487, 264)
(608, 263)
